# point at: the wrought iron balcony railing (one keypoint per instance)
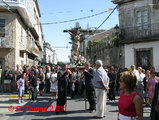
(138, 34)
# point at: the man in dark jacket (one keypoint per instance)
(90, 92)
(33, 82)
(62, 78)
(112, 76)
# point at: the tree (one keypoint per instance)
(59, 63)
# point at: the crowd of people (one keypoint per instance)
(95, 84)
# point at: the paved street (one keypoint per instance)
(75, 110)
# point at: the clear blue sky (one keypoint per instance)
(61, 10)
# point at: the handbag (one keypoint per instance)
(7, 81)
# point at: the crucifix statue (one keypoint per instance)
(76, 42)
(76, 33)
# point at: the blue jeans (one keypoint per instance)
(20, 93)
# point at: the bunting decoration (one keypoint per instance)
(60, 12)
(91, 10)
(110, 9)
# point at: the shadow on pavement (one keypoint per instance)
(112, 103)
(38, 108)
(69, 118)
(11, 101)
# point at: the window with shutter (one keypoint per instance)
(2, 27)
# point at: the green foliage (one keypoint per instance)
(156, 6)
(59, 63)
(95, 41)
(116, 41)
(101, 42)
(88, 47)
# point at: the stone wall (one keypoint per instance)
(109, 55)
(8, 53)
(106, 47)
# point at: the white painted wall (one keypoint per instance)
(129, 53)
(49, 53)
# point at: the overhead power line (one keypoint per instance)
(102, 22)
(106, 18)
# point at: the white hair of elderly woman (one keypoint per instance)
(99, 62)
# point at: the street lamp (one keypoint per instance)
(117, 33)
(116, 30)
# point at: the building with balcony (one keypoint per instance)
(139, 32)
(21, 36)
(50, 56)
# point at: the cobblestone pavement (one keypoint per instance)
(75, 110)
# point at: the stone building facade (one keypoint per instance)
(50, 56)
(139, 32)
(106, 47)
(21, 37)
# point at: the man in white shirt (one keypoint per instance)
(140, 85)
(133, 69)
(101, 85)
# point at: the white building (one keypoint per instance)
(50, 56)
(139, 32)
(21, 37)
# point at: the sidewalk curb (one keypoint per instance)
(13, 96)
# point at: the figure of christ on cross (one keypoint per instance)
(76, 34)
(76, 42)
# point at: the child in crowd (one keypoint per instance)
(20, 84)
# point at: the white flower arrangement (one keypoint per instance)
(78, 60)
